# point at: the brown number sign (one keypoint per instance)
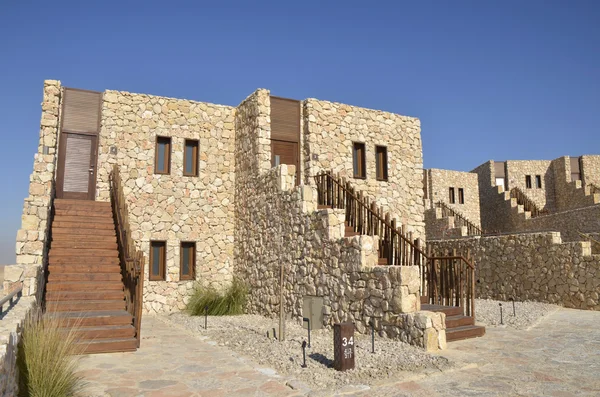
(343, 346)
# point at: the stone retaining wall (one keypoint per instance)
(533, 266)
(284, 228)
(10, 320)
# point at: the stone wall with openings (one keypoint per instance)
(590, 169)
(533, 266)
(31, 237)
(282, 228)
(543, 194)
(438, 185)
(172, 207)
(330, 129)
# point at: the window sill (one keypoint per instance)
(382, 180)
(359, 177)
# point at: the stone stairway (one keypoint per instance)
(84, 286)
(458, 326)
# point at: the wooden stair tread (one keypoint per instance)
(104, 332)
(58, 224)
(448, 310)
(458, 321)
(83, 295)
(85, 305)
(83, 259)
(109, 345)
(84, 285)
(56, 252)
(77, 268)
(464, 332)
(82, 232)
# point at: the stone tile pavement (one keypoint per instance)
(558, 357)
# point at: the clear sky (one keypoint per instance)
(488, 79)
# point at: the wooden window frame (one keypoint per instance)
(381, 171)
(167, 164)
(461, 195)
(528, 181)
(192, 265)
(538, 181)
(162, 264)
(359, 162)
(196, 147)
(451, 196)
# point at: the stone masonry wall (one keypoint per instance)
(329, 132)
(32, 235)
(516, 171)
(568, 223)
(285, 228)
(533, 266)
(492, 203)
(173, 208)
(590, 169)
(569, 194)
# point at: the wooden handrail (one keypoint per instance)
(526, 202)
(439, 274)
(594, 189)
(9, 298)
(131, 259)
(472, 229)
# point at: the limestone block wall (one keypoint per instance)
(568, 223)
(9, 340)
(440, 181)
(493, 206)
(329, 132)
(516, 171)
(173, 208)
(570, 194)
(32, 236)
(590, 169)
(533, 266)
(284, 228)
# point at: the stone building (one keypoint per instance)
(211, 192)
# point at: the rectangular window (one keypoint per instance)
(187, 261)
(461, 195)
(538, 181)
(528, 181)
(358, 156)
(381, 164)
(190, 158)
(162, 160)
(451, 197)
(158, 259)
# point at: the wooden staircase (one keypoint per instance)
(458, 326)
(84, 286)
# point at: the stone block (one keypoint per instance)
(13, 273)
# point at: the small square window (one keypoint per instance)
(461, 195)
(359, 163)
(162, 160)
(381, 163)
(538, 181)
(451, 196)
(187, 261)
(158, 259)
(528, 181)
(190, 158)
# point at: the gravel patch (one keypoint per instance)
(247, 335)
(528, 314)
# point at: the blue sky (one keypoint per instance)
(488, 79)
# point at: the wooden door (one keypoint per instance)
(77, 156)
(78, 144)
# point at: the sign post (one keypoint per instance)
(343, 346)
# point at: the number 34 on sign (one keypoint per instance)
(348, 350)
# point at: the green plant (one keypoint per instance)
(46, 358)
(231, 302)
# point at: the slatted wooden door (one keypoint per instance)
(285, 133)
(78, 147)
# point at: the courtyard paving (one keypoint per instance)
(560, 356)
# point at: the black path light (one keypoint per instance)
(307, 320)
(205, 316)
(304, 354)
(372, 336)
(501, 322)
(513, 302)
